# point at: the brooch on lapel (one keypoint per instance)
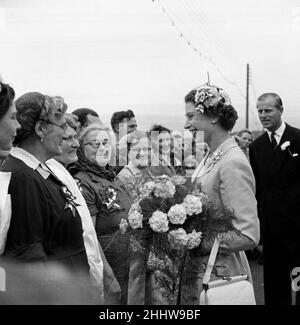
(285, 146)
(215, 158)
(70, 200)
(109, 197)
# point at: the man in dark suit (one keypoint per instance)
(275, 160)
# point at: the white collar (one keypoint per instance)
(30, 161)
(279, 131)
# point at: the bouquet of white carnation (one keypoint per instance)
(166, 221)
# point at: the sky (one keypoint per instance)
(147, 55)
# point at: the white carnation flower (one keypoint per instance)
(135, 219)
(285, 145)
(147, 188)
(178, 238)
(164, 189)
(178, 180)
(159, 221)
(194, 239)
(192, 204)
(135, 207)
(177, 214)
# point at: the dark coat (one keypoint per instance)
(277, 175)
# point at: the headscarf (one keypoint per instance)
(86, 166)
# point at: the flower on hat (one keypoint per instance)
(209, 96)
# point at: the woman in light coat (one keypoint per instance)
(226, 177)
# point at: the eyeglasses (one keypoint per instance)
(96, 144)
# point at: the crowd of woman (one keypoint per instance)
(64, 200)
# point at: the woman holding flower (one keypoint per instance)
(225, 176)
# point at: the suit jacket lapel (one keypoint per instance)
(208, 164)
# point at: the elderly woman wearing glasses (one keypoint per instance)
(45, 225)
(106, 198)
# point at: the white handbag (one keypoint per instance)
(234, 290)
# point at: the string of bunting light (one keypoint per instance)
(205, 26)
(201, 54)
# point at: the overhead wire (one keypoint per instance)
(197, 51)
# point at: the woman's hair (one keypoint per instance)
(33, 107)
(7, 95)
(190, 97)
(226, 113)
(72, 121)
(99, 127)
(240, 133)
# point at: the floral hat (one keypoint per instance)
(209, 96)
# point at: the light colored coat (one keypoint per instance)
(226, 177)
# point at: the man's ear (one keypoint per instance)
(117, 127)
(39, 129)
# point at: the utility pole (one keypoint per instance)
(247, 98)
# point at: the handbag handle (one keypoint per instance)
(212, 259)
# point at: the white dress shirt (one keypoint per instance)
(278, 133)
